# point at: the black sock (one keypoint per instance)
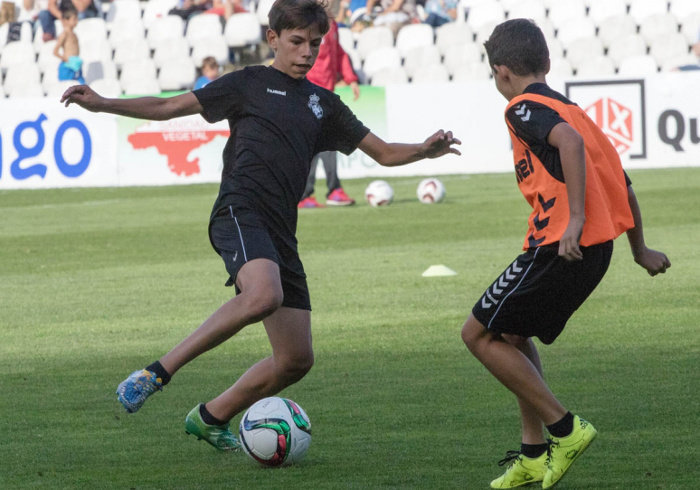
(533, 450)
(160, 371)
(208, 418)
(563, 427)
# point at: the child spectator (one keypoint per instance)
(68, 48)
(210, 71)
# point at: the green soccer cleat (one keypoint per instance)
(521, 471)
(563, 451)
(218, 436)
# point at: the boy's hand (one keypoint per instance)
(653, 261)
(82, 95)
(568, 244)
(440, 144)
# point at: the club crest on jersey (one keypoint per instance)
(315, 106)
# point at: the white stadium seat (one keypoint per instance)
(123, 10)
(389, 76)
(615, 27)
(413, 36)
(16, 53)
(461, 55)
(475, 70)
(372, 38)
(560, 68)
(20, 74)
(453, 33)
(600, 10)
(573, 29)
(421, 56)
(563, 11)
(658, 25)
(386, 57)
(640, 9)
(346, 38)
(55, 90)
(669, 47)
(243, 30)
(46, 60)
(98, 70)
(26, 90)
(586, 47)
(91, 29)
(624, 47)
(170, 48)
(135, 70)
(431, 74)
(485, 13)
(527, 9)
(262, 10)
(126, 30)
(156, 9)
(595, 66)
(134, 49)
(639, 65)
(162, 28)
(203, 26)
(107, 87)
(144, 86)
(177, 74)
(215, 46)
(684, 8)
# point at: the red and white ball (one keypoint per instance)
(430, 191)
(379, 193)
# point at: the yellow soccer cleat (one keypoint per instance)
(522, 471)
(563, 451)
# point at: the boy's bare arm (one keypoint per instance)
(573, 161)
(152, 108)
(59, 46)
(653, 261)
(394, 154)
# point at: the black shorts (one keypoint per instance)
(537, 294)
(241, 237)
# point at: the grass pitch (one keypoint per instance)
(98, 282)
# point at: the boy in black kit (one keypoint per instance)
(278, 122)
(581, 201)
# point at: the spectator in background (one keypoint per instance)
(440, 12)
(84, 8)
(226, 8)
(696, 52)
(68, 48)
(392, 13)
(210, 71)
(332, 68)
(189, 8)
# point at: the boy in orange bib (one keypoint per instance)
(581, 200)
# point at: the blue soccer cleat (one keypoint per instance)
(133, 391)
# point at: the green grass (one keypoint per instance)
(95, 283)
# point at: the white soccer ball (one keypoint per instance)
(275, 431)
(379, 193)
(430, 191)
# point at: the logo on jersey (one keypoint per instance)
(315, 106)
(523, 112)
(276, 92)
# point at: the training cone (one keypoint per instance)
(438, 271)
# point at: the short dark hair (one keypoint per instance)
(520, 45)
(298, 14)
(69, 11)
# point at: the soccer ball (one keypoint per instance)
(379, 193)
(275, 431)
(430, 191)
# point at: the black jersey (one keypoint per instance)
(278, 123)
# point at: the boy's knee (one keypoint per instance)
(263, 304)
(295, 368)
(473, 332)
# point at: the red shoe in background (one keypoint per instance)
(339, 198)
(309, 202)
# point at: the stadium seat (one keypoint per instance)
(639, 65)
(98, 70)
(486, 12)
(122, 10)
(243, 30)
(133, 49)
(46, 60)
(262, 10)
(572, 29)
(107, 87)
(16, 53)
(215, 46)
(91, 30)
(414, 35)
(21, 73)
(135, 70)
(595, 67)
(453, 33)
(475, 70)
(346, 38)
(170, 48)
(527, 9)
(177, 74)
(203, 26)
(156, 9)
(586, 47)
(658, 25)
(600, 10)
(562, 12)
(435, 73)
(145, 86)
(97, 50)
(690, 26)
(672, 64)
(640, 9)
(162, 28)
(55, 90)
(457, 56)
(624, 47)
(380, 58)
(372, 38)
(420, 56)
(669, 47)
(25, 35)
(560, 68)
(684, 8)
(615, 27)
(389, 76)
(2, 93)
(25, 90)
(125, 30)
(484, 32)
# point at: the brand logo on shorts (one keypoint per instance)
(235, 255)
(315, 106)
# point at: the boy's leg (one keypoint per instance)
(261, 294)
(289, 331)
(513, 369)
